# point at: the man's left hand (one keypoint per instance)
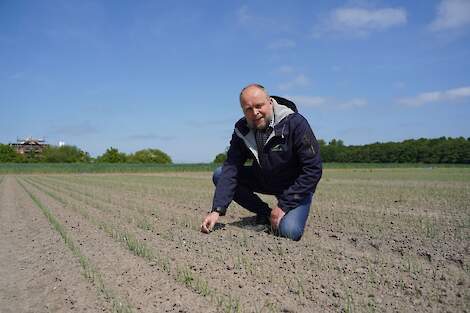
(276, 215)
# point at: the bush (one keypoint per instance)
(64, 154)
(112, 155)
(150, 156)
(220, 158)
(8, 154)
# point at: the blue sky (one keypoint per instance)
(167, 74)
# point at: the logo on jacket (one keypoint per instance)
(277, 147)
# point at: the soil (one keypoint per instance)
(383, 255)
(38, 273)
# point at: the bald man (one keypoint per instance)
(286, 164)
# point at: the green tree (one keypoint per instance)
(150, 156)
(220, 158)
(8, 154)
(64, 154)
(436, 150)
(112, 155)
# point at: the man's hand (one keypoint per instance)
(276, 215)
(209, 222)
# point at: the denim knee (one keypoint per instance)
(290, 229)
(216, 175)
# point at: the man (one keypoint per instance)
(286, 164)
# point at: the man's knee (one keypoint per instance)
(290, 229)
(216, 175)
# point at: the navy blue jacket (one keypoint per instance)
(290, 166)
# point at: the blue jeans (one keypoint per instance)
(292, 225)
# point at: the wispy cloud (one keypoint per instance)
(353, 103)
(399, 84)
(244, 16)
(357, 21)
(450, 95)
(328, 103)
(451, 14)
(285, 69)
(282, 44)
(308, 101)
(299, 80)
(336, 68)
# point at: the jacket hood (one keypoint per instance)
(281, 111)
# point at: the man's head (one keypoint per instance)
(257, 106)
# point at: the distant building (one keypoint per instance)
(61, 143)
(29, 145)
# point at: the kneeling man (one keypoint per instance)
(286, 164)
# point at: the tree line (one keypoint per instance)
(72, 154)
(423, 150)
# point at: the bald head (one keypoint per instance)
(257, 106)
(252, 90)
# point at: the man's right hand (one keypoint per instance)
(209, 222)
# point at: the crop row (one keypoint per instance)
(179, 271)
(171, 227)
(90, 272)
(240, 262)
(346, 208)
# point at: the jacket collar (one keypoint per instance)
(248, 135)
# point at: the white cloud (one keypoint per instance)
(399, 84)
(282, 44)
(451, 14)
(436, 96)
(361, 21)
(299, 80)
(353, 103)
(308, 101)
(243, 15)
(285, 69)
(456, 93)
(336, 68)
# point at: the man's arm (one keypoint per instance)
(225, 189)
(308, 153)
(227, 184)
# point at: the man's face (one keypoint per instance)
(257, 108)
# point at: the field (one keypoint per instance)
(377, 240)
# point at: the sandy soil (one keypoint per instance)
(399, 250)
(38, 273)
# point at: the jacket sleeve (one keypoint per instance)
(227, 184)
(308, 152)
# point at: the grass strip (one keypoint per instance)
(181, 273)
(90, 272)
(44, 168)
